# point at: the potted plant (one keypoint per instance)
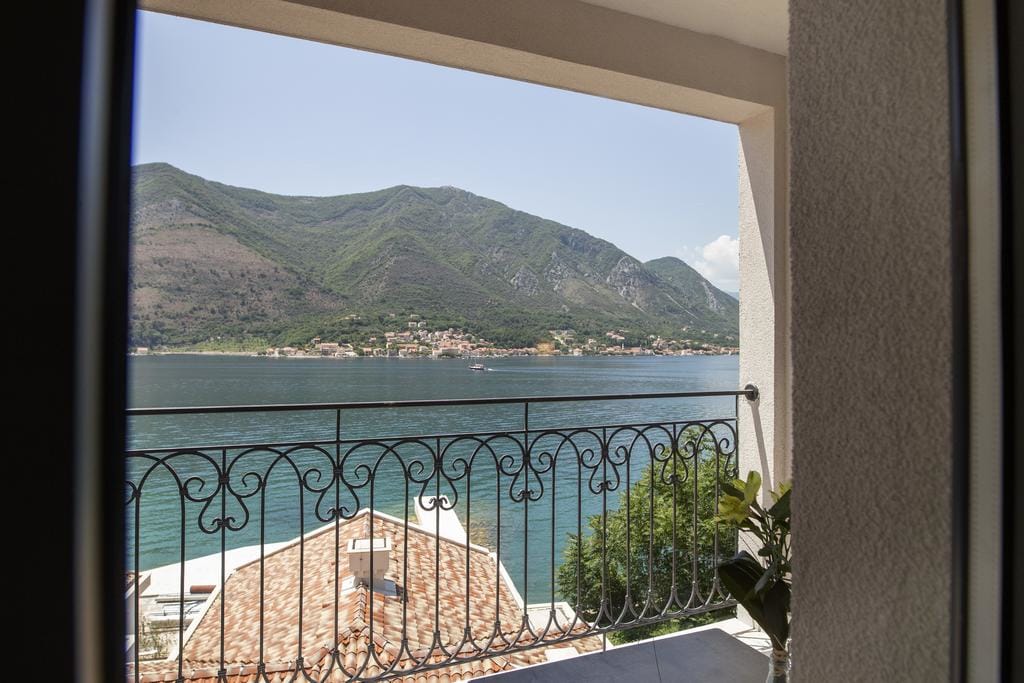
(761, 585)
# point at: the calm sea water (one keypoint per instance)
(278, 512)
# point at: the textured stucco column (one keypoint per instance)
(870, 250)
(764, 305)
(763, 359)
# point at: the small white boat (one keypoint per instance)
(479, 367)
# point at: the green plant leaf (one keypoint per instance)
(751, 486)
(740, 574)
(780, 511)
(784, 488)
(730, 490)
(764, 583)
(775, 613)
(732, 510)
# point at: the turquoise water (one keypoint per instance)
(272, 507)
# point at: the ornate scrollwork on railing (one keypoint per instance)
(611, 524)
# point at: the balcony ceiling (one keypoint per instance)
(763, 24)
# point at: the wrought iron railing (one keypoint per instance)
(603, 527)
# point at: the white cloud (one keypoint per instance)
(718, 261)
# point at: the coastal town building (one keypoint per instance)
(328, 348)
(417, 341)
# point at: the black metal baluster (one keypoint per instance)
(673, 478)
(261, 664)
(554, 516)
(467, 635)
(370, 652)
(405, 569)
(605, 607)
(715, 587)
(695, 565)
(579, 534)
(526, 511)
(222, 672)
(335, 655)
(605, 601)
(181, 588)
(650, 536)
(627, 602)
(497, 551)
(299, 661)
(135, 579)
(437, 545)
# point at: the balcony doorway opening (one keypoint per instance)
(431, 369)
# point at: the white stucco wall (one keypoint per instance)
(870, 248)
(562, 43)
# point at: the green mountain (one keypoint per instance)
(211, 260)
(683, 277)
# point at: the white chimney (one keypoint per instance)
(359, 560)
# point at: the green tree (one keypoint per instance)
(628, 558)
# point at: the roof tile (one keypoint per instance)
(411, 624)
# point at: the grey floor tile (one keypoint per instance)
(711, 655)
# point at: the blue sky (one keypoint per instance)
(295, 117)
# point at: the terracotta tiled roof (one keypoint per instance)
(425, 612)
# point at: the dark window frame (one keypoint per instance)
(93, 31)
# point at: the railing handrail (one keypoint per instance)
(513, 431)
(750, 392)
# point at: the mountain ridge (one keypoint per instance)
(214, 260)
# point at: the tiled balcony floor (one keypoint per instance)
(726, 651)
